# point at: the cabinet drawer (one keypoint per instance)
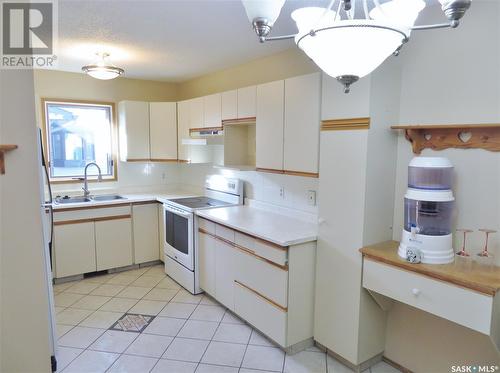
(462, 306)
(265, 278)
(274, 253)
(224, 232)
(258, 311)
(206, 225)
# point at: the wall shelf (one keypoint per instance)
(3, 150)
(459, 136)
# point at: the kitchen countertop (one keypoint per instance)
(130, 198)
(280, 229)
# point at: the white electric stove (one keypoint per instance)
(180, 227)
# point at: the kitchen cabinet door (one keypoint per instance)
(206, 262)
(183, 123)
(113, 243)
(269, 126)
(302, 123)
(229, 104)
(163, 130)
(224, 273)
(196, 113)
(74, 249)
(145, 221)
(212, 110)
(133, 117)
(247, 102)
(161, 231)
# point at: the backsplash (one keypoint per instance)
(280, 190)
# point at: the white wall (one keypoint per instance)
(451, 76)
(24, 323)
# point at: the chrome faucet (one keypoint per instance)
(85, 188)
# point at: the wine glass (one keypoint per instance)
(463, 258)
(464, 252)
(485, 256)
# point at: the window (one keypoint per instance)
(77, 134)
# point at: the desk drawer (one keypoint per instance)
(462, 306)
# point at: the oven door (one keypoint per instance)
(179, 243)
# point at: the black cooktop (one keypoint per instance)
(199, 202)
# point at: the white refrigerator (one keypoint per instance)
(48, 235)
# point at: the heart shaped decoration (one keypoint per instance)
(427, 136)
(464, 136)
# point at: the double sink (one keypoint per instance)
(68, 200)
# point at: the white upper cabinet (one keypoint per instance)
(247, 102)
(302, 123)
(163, 130)
(134, 130)
(212, 110)
(183, 124)
(269, 125)
(229, 104)
(196, 113)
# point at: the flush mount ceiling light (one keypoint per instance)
(103, 69)
(354, 39)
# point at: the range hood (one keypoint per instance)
(206, 131)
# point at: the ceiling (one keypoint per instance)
(166, 40)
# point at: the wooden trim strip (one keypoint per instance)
(270, 301)
(239, 121)
(206, 129)
(345, 124)
(138, 160)
(245, 250)
(301, 173)
(105, 218)
(163, 160)
(92, 207)
(269, 170)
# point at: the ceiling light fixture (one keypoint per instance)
(349, 43)
(103, 69)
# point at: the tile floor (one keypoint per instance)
(188, 334)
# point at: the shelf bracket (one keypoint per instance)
(3, 150)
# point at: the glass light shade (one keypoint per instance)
(312, 17)
(103, 72)
(268, 9)
(351, 47)
(400, 12)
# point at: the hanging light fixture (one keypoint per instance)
(103, 69)
(348, 46)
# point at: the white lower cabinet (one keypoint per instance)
(269, 286)
(145, 220)
(74, 249)
(113, 243)
(224, 273)
(262, 314)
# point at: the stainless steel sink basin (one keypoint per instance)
(110, 197)
(66, 200)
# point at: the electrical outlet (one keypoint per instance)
(311, 197)
(282, 193)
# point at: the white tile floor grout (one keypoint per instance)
(183, 329)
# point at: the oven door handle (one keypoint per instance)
(177, 212)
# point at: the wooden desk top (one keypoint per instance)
(478, 278)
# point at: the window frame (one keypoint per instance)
(114, 137)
